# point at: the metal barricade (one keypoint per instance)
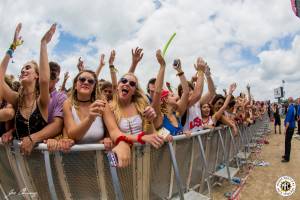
(188, 166)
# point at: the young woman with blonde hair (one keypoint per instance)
(32, 99)
(133, 114)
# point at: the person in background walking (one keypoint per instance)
(289, 124)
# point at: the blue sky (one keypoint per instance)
(250, 41)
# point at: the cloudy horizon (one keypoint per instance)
(243, 41)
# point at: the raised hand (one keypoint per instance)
(200, 65)
(17, 38)
(102, 62)
(232, 88)
(248, 87)
(66, 76)
(112, 57)
(177, 65)
(160, 58)
(48, 35)
(80, 64)
(137, 55)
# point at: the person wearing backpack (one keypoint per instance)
(289, 124)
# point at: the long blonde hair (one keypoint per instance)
(138, 98)
(21, 88)
(95, 93)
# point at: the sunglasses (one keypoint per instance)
(125, 80)
(84, 79)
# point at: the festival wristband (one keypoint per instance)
(180, 73)
(125, 139)
(10, 52)
(139, 137)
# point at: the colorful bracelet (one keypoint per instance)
(10, 52)
(139, 137)
(180, 73)
(113, 69)
(125, 139)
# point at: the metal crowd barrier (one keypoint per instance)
(184, 169)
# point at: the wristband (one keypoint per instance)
(139, 137)
(124, 139)
(112, 68)
(180, 73)
(10, 52)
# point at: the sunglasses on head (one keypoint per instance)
(125, 80)
(84, 79)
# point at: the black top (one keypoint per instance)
(36, 123)
(2, 124)
(276, 113)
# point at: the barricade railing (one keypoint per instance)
(187, 166)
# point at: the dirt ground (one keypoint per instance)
(260, 184)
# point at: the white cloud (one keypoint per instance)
(204, 28)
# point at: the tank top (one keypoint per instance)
(2, 124)
(25, 127)
(208, 122)
(131, 125)
(194, 118)
(94, 134)
(173, 130)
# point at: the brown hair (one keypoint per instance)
(95, 93)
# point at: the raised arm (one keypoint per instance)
(220, 112)
(7, 93)
(137, 56)
(183, 101)
(80, 64)
(158, 88)
(198, 90)
(101, 65)
(113, 70)
(63, 85)
(249, 94)
(44, 74)
(211, 87)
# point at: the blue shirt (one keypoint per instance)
(290, 116)
(173, 130)
(298, 110)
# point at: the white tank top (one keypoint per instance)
(209, 122)
(194, 118)
(95, 132)
(131, 125)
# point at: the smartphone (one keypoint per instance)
(112, 159)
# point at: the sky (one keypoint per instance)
(243, 41)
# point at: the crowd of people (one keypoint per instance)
(116, 111)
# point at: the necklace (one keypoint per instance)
(83, 101)
(27, 119)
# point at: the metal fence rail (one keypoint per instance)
(174, 170)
